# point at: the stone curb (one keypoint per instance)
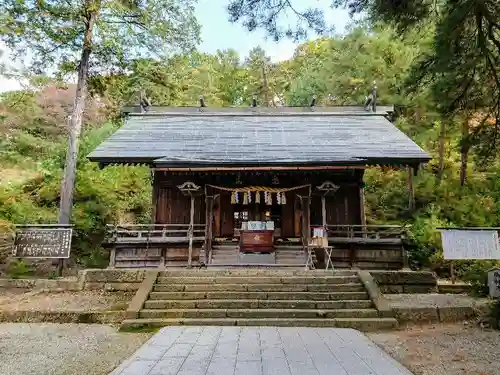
(142, 295)
(378, 299)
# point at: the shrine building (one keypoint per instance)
(253, 186)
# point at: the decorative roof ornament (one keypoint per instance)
(328, 187)
(189, 187)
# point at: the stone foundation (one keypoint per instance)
(408, 282)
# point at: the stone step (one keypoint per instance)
(254, 272)
(256, 304)
(258, 313)
(349, 287)
(297, 280)
(362, 324)
(333, 296)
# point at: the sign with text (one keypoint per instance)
(42, 243)
(470, 244)
(494, 282)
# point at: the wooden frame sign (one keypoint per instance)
(33, 242)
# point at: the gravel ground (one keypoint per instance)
(12, 300)
(444, 349)
(434, 300)
(64, 349)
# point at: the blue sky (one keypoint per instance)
(218, 33)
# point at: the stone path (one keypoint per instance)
(259, 351)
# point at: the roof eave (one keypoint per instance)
(188, 164)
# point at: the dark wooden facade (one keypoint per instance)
(165, 243)
(342, 208)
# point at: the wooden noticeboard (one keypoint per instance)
(42, 243)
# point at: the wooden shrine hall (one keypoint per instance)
(254, 186)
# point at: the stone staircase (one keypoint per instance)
(224, 253)
(287, 254)
(259, 297)
(290, 254)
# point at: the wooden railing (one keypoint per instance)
(366, 233)
(154, 233)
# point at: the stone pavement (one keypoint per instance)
(259, 351)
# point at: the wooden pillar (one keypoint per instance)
(411, 191)
(112, 258)
(306, 202)
(323, 210)
(362, 207)
(362, 212)
(209, 200)
(190, 233)
(154, 198)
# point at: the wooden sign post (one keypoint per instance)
(43, 242)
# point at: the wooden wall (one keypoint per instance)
(343, 207)
(173, 207)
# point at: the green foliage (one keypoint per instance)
(53, 30)
(110, 195)
(339, 70)
(18, 269)
(476, 273)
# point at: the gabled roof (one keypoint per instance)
(249, 138)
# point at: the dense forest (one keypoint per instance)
(458, 187)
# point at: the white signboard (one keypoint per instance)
(470, 244)
(256, 225)
(319, 232)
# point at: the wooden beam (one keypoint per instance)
(190, 233)
(411, 191)
(362, 208)
(154, 198)
(306, 222)
(112, 258)
(209, 199)
(323, 210)
(260, 168)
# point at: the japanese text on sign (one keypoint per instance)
(470, 244)
(42, 243)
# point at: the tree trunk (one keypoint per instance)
(464, 151)
(442, 131)
(75, 127)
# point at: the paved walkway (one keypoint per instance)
(259, 351)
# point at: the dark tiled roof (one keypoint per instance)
(210, 139)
